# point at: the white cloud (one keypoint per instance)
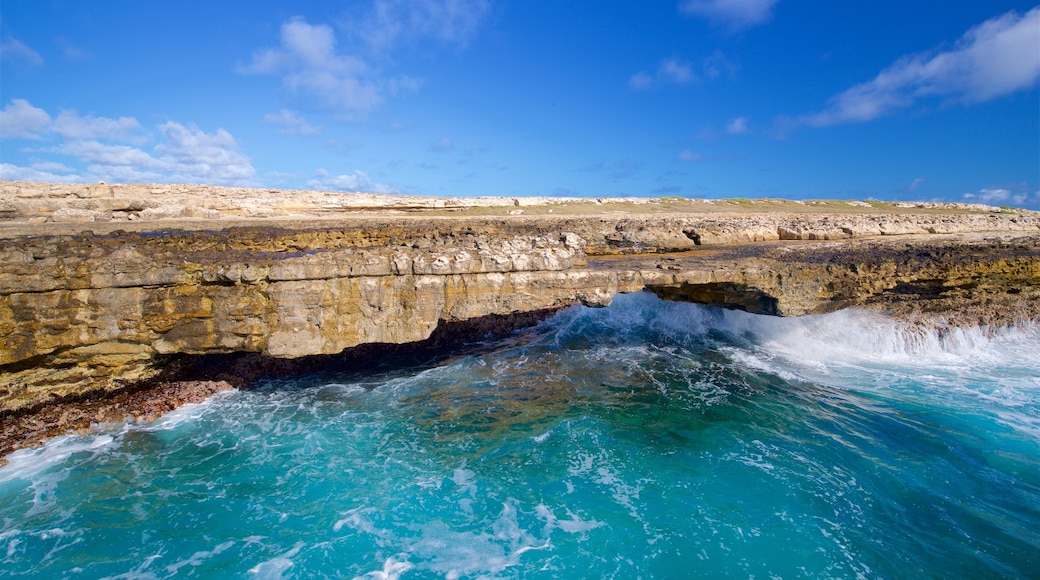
(392, 22)
(641, 81)
(52, 166)
(72, 52)
(19, 119)
(183, 153)
(291, 123)
(623, 169)
(100, 154)
(718, 65)
(995, 195)
(996, 58)
(359, 181)
(688, 156)
(72, 126)
(914, 184)
(732, 14)
(11, 172)
(310, 67)
(316, 69)
(674, 71)
(441, 145)
(737, 126)
(991, 195)
(14, 50)
(197, 156)
(669, 71)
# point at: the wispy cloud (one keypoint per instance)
(687, 156)
(675, 71)
(15, 51)
(346, 72)
(622, 169)
(913, 185)
(71, 125)
(393, 22)
(53, 173)
(993, 59)
(691, 156)
(310, 67)
(71, 51)
(105, 148)
(732, 14)
(184, 153)
(737, 126)
(290, 123)
(667, 189)
(442, 145)
(717, 65)
(669, 71)
(191, 152)
(357, 181)
(20, 120)
(1020, 195)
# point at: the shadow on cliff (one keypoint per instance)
(450, 340)
(193, 378)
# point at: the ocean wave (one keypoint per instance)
(961, 369)
(848, 335)
(629, 441)
(28, 464)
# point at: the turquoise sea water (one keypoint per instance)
(644, 440)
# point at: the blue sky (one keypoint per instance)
(924, 100)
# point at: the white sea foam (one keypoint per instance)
(464, 478)
(274, 568)
(631, 312)
(858, 336)
(963, 368)
(458, 554)
(392, 570)
(188, 413)
(199, 557)
(27, 464)
(359, 519)
(851, 335)
(572, 525)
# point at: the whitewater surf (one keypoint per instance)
(647, 439)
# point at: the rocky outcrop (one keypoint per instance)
(86, 311)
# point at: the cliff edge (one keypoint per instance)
(100, 285)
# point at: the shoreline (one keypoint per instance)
(115, 298)
(195, 379)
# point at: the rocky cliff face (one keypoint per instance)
(92, 311)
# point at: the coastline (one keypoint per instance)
(120, 301)
(194, 379)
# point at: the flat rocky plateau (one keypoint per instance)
(122, 301)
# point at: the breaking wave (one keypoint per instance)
(634, 440)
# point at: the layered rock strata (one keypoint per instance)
(89, 308)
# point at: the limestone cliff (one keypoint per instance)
(96, 304)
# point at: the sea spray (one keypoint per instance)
(647, 439)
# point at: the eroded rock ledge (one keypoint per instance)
(92, 306)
